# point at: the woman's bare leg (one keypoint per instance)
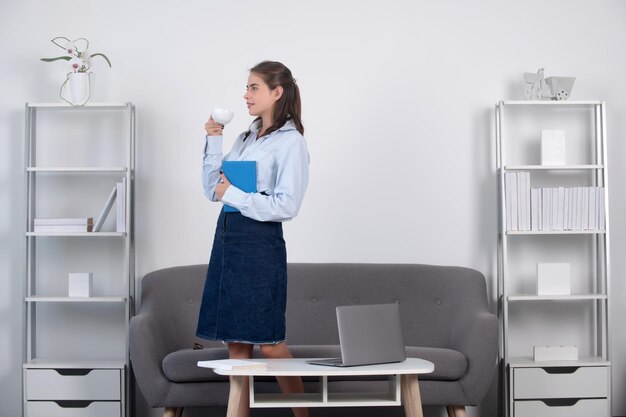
(242, 351)
(288, 384)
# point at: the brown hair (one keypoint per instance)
(275, 74)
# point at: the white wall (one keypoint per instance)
(398, 109)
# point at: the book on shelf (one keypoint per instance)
(601, 209)
(535, 199)
(62, 225)
(105, 210)
(233, 364)
(62, 228)
(74, 221)
(568, 208)
(511, 200)
(121, 206)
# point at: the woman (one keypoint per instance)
(245, 293)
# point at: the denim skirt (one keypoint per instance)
(245, 293)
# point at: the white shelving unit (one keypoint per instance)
(56, 383)
(553, 388)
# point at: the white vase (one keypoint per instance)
(79, 85)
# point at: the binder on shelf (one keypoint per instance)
(535, 199)
(585, 213)
(241, 174)
(593, 200)
(511, 200)
(121, 206)
(105, 210)
(545, 209)
(601, 209)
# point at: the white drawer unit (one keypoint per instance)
(579, 408)
(73, 409)
(73, 384)
(561, 382)
(559, 391)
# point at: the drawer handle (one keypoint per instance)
(561, 402)
(561, 370)
(73, 372)
(73, 404)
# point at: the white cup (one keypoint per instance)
(222, 116)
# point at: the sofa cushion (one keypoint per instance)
(181, 366)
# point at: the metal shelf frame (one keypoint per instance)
(600, 294)
(31, 299)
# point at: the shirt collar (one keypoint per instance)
(289, 125)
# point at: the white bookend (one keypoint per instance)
(105, 210)
(553, 279)
(552, 147)
(555, 353)
(535, 203)
(76, 221)
(121, 207)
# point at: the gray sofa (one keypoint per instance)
(445, 319)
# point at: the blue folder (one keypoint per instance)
(241, 174)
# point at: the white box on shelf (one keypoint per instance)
(555, 353)
(552, 147)
(553, 279)
(80, 284)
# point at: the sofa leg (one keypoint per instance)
(173, 412)
(456, 411)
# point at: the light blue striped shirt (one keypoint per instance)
(282, 172)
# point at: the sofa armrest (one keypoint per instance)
(148, 346)
(476, 337)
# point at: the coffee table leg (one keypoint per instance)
(234, 397)
(411, 398)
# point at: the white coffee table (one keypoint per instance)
(403, 388)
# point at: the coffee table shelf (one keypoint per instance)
(403, 388)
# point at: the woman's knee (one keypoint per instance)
(240, 350)
(278, 350)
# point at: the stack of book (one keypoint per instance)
(552, 208)
(234, 364)
(63, 225)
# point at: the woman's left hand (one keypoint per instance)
(222, 186)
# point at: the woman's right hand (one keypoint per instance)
(212, 128)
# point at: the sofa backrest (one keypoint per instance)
(431, 297)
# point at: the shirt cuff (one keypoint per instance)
(213, 145)
(233, 197)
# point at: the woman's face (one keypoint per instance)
(259, 97)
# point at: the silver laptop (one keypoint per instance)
(368, 335)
